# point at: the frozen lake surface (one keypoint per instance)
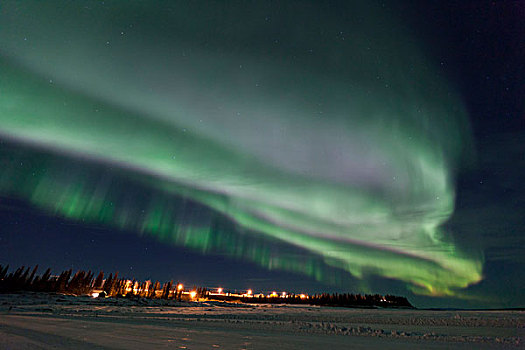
(43, 321)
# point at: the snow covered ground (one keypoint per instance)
(42, 321)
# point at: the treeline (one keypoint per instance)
(25, 279)
(325, 299)
(84, 283)
(336, 299)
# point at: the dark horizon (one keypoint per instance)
(188, 287)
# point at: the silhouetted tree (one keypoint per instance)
(99, 281)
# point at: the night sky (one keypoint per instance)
(308, 146)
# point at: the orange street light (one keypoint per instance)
(193, 294)
(180, 286)
(219, 290)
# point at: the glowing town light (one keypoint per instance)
(273, 295)
(180, 286)
(193, 294)
(128, 286)
(302, 296)
(219, 290)
(249, 292)
(95, 294)
(283, 294)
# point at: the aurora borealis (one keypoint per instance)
(250, 129)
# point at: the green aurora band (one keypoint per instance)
(340, 143)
